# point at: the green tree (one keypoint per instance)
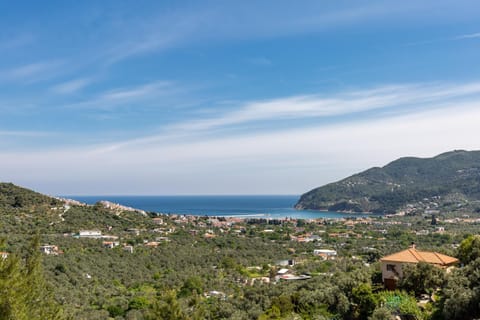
(23, 290)
(364, 301)
(167, 307)
(469, 249)
(421, 278)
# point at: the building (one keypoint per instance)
(90, 234)
(392, 265)
(157, 220)
(128, 248)
(285, 263)
(50, 249)
(326, 254)
(110, 244)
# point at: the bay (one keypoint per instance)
(257, 206)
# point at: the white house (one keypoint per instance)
(90, 234)
(326, 254)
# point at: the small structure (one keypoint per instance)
(50, 249)
(152, 244)
(157, 220)
(326, 254)
(95, 234)
(110, 244)
(285, 263)
(392, 265)
(128, 249)
(4, 255)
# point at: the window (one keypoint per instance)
(391, 267)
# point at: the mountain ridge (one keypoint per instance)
(407, 180)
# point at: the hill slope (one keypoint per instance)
(12, 196)
(452, 175)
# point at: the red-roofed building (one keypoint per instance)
(392, 265)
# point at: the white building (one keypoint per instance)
(90, 234)
(326, 254)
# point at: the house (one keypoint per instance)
(50, 249)
(110, 244)
(326, 254)
(90, 234)
(285, 263)
(157, 220)
(392, 265)
(4, 255)
(152, 244)
(283, 271)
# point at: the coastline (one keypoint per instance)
(262, 207)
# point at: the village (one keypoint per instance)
(369, 239)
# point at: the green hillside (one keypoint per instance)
(449, 178)
(149, 266)
(12, 196)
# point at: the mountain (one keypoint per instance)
(451, 178)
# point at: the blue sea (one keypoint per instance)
(276, 206)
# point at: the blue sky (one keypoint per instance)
(230, 97)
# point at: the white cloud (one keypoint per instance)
(284, 161)
(468, 36)
(71, 86)
(196, 24)
(12, 133)
(121, 96)
(395, 97)
(33, 72)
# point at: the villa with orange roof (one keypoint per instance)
(392, 264)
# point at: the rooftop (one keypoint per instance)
(413, 255)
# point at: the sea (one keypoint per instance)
(257, 206)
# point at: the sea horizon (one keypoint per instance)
(242, 206)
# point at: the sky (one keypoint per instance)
(230, 97)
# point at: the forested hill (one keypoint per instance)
(12, 196)
(449, 178)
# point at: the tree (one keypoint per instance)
(364, 300)
(167, 307)
(469, 249)
(23, 291)
(421, 278)
(381, 313)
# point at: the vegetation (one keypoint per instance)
(446, 182)
(215, 268)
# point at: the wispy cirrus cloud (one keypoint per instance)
(71, 86)
(257, 162)
(214, 22)
(29, 134)
(289, 113)
(122, 96)
(396, 98)
(468, 36)
(33, 72)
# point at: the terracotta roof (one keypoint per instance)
(414, 256)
